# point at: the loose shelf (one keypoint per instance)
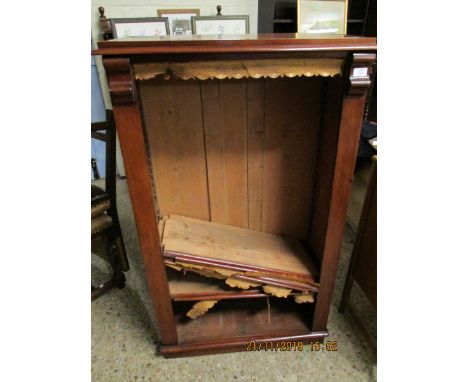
(193, 287)
(206, 293)
(243, 257)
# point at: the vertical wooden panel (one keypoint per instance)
(173, 121)
(363, 264)
(347, 146)
(326, 163)
(225, 123)
(255, 121)
(212, 124)
(292, 123)
(129, 128)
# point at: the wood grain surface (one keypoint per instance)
(238, 152)
(292, 123)
(251, 43)
(284, 156)
(243, 317)
(192, 287)
(224, 115)
(174, 126)
(128, 122)
(238, 245)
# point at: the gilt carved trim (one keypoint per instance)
(360, 73)
(203, 70)
(121, 82)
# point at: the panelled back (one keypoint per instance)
(239, 152)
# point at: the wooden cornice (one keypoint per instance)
(250, 43)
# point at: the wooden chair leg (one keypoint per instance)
(118, 277)
(113, 254)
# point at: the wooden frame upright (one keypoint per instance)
(339, 138)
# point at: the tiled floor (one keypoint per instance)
(124, 334)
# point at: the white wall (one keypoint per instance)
(148, 8)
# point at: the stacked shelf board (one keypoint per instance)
(237, 312)
(244, 258)
(231, 251)
(187, 286)
(208, 295)
(192, 287)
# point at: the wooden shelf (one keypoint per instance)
(243, 318)
(193, 287)
(190, 286)
(226, 244)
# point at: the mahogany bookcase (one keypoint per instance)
(253, 131)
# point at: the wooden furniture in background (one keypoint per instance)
(104, 218)
(258, 132)
(277, 16)
(363, 264)
(362, 18)
(280, 16)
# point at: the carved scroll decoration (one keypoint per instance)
(240, 69)
(360, 73)
(120, 79)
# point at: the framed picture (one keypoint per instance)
(220, 24)
(141, 26)
(322, 17)
(180, 20)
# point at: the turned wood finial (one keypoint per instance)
(104, 23)
(218, 8)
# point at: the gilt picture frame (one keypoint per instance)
(322, 17)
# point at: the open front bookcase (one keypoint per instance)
(239, 150)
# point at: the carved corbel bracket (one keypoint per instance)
(121, 81)
(360, 73)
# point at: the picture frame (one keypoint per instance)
(180, 20)
(140, 27)
(219, 25)
(322, 17)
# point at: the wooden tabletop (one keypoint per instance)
(234, 44)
